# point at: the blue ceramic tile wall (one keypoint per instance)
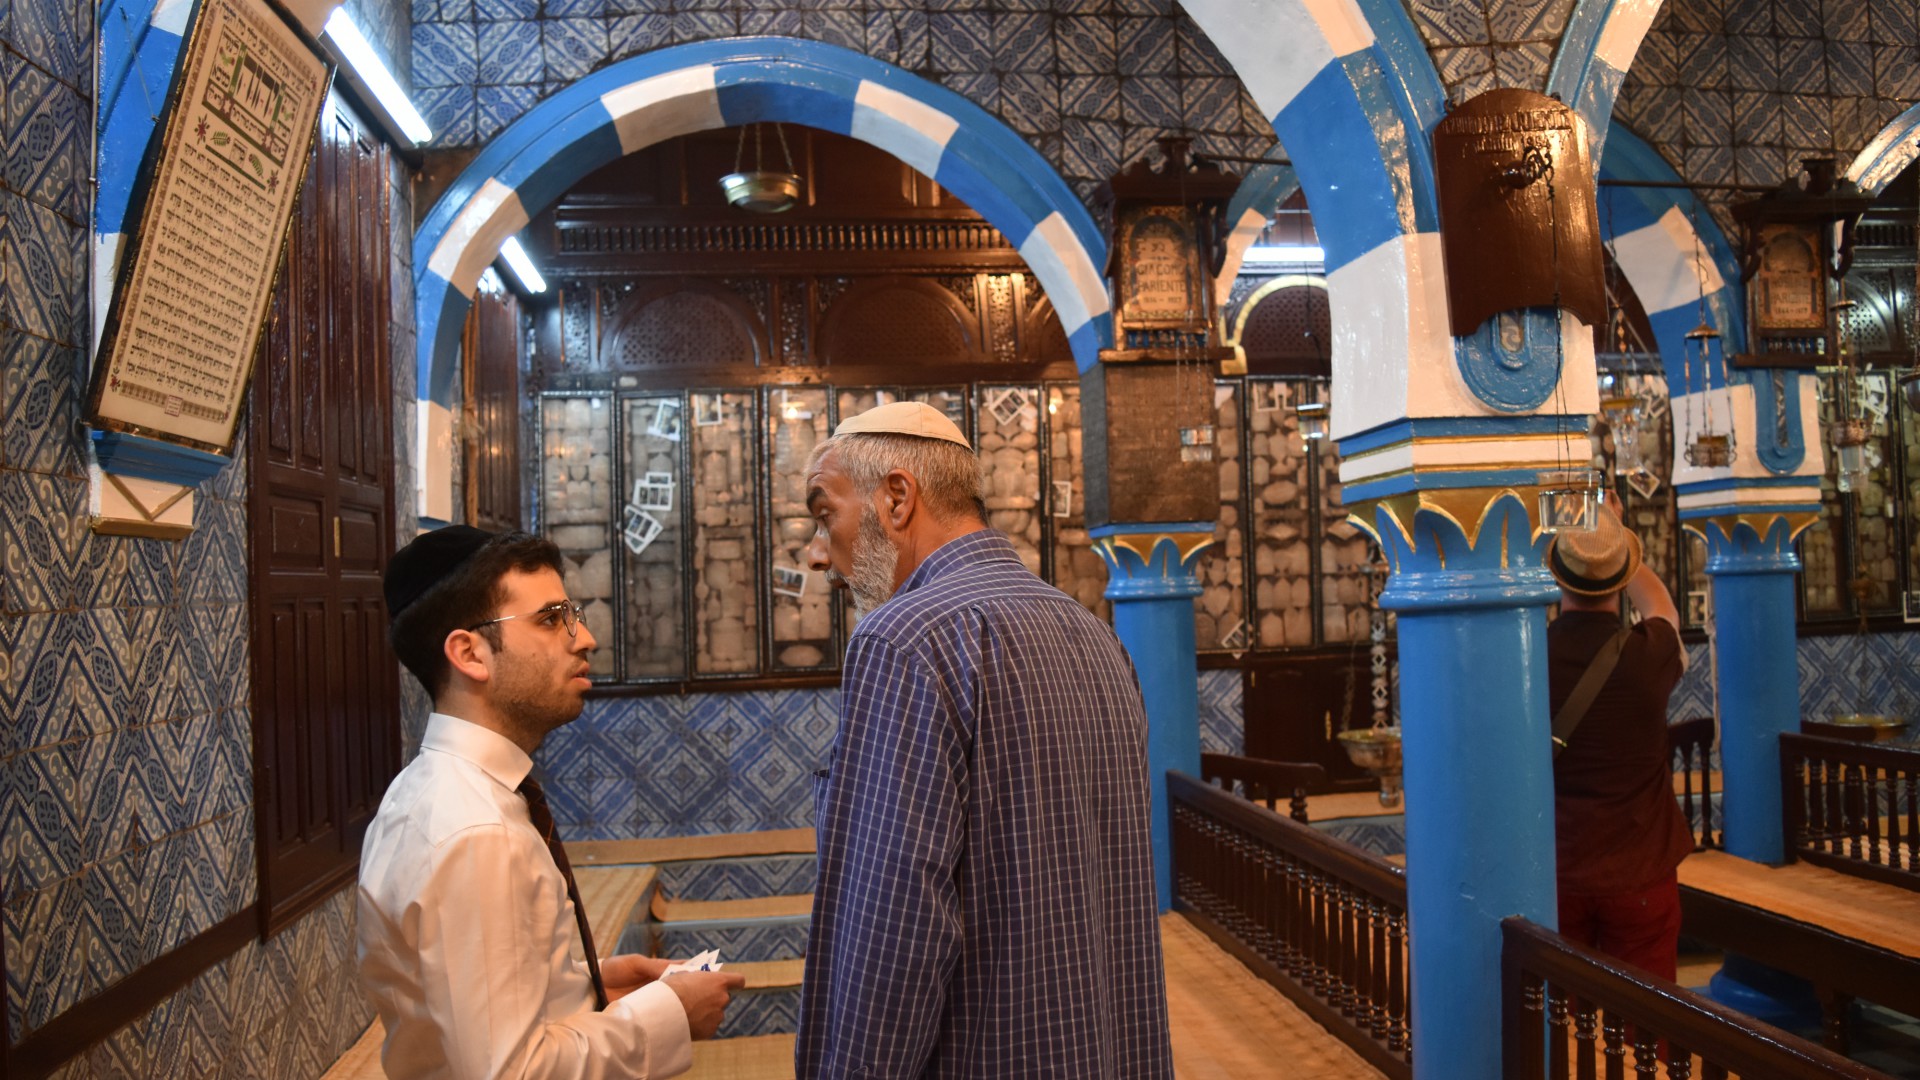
(1477, 45)
(126, 769)
(1090, 85)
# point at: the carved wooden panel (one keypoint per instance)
(670, 326)
(1289, 332)
(899, 321)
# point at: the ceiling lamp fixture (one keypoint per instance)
(761, 190)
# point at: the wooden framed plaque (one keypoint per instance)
(1160, 277)
(216, 196)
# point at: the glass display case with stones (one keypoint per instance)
(1347, 557)
(1078, 569)
(1279, 513)
(1008, 442)
(1220, 614)
(650, 527)
(725, 482)
(800, 606)
(1856, 542)
(576, 504)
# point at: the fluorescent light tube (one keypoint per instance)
(366, 64)
(1269, 254)
(522, 266)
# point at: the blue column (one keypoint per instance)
(1151, 583)
(1471, 594)
(1752, 562)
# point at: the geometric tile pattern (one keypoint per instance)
(738, 879)
(674, 765)
(1382, 836)
(1478, 45)
(758, 939)
(126, 752)
(1088, 88)
(1741, 96)
(773, 1011)
(1223, 725)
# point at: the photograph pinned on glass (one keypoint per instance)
(1267, 395)
(639, 529)
(1699, 607)
(1236, 637)
(1063, 498)
(665, 423)
(654, 492)
(1007, 404)
(1569, 500)
(709, 410)
(789, 581)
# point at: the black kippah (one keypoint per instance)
(426, 561)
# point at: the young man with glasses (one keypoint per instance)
(467, 907)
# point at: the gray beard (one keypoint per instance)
(874, 562)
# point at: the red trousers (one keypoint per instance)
(1640, 927)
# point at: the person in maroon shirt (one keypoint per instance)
(1619, 835)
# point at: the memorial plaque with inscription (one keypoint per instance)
(1160, 269)
(190, 299)
(1518, 223)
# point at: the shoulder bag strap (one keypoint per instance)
(1584, 691)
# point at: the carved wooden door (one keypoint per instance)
(325, 696)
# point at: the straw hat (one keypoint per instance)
(1598, 562)
(903, 418)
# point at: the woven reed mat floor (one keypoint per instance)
(1227, 1025)
(1884, 915)
(1230, 1025)
(611, 894)
(682, 848)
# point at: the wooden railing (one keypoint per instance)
(1567, 1011)
(1322, 921)
(1853, 807)
(1690, 746)
(1265, 782)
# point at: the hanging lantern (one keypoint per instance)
(1569, 500)
(761, 190)
(1709, 448)
(1850, 453)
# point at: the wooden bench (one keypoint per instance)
(1849, 936)
(1265, 782)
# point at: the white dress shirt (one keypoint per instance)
(465, 931)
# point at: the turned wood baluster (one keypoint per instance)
(1614, 1032)
(1679, 1062)
(1376, 968)
(1585, 1053)
(1556, 1032)
(1531, 1027)
(1397, 980)
(1646, 1053)
(1874, 785)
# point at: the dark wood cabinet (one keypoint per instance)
(320, 506)
(490, 437)
(1295, 703)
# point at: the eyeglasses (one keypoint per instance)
(569, 612)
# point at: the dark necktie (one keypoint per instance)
(542, 817)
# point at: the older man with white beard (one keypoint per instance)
(985, 900)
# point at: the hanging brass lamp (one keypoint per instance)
(761, 190)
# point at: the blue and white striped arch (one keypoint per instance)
(1887, 154)
(1595, 51)
(1262, 191)
(1670, 249)
(689, 88)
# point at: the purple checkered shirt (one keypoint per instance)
(985, 902)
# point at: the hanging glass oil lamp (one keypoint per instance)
(760, 189)
(1709, 448)
(1849, 429)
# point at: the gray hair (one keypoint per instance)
(951, 482)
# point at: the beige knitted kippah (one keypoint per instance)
(903, 418)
